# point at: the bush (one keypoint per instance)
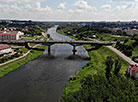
(96, 88)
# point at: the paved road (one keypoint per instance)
(57, 42)
(122, 55)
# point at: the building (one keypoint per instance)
(131, 32)
(114, 29)
(10, 35)
(132, 71)
(4, 48)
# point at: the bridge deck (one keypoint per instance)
(56, 42)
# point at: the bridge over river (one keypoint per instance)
(49, 43)
(44, 79)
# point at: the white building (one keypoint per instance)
(4, 48)
(10, 35)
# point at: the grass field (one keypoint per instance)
(29, 38)
(109, 37)
(135, 52)
(95, 66)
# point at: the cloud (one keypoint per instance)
(61, 6)
(83, 5)
(35, 7)
(20, 1)
(80, 11)
(124, 0)
(106, 7)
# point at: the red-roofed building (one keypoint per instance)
(114, 29)
(10, 35)
(4, 48)
(131, 31)
(132, 71)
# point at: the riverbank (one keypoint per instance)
(43, 79)
(95, 66)
(91, 84)
(5, 69)
(30, 55)
(61, 32)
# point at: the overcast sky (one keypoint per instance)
(69, 10)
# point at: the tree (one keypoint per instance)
(48, 35)
(119, 32)
(109, 64)
(2, 26)
(136, 38)
(19, 29)
(117, 67)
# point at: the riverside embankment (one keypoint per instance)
(43, 79)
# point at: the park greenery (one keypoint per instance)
(10, 56)
(5, 69)
(34, 32)
(127, 45)
(85, 32)
(104, 78)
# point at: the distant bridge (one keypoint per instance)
(51, 42)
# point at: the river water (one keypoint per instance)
(43, 79)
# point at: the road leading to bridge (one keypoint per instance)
(44, 79)
(129, 60)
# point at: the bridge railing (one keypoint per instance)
(57, 42)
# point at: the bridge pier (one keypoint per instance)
(49, 49)
(74, 50)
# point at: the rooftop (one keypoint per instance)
(134, 67)
(4, 46)
(8, 32)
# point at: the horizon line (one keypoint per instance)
(71, 20)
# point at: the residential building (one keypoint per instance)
(131, 31)
(10, 35)
(132, 71)
(4, 48)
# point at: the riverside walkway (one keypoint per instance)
(17, 58)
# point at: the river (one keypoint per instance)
(43, 79)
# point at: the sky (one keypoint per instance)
(69, 10)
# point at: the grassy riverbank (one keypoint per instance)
(62, 32)
(5, 69)
(91, 84)
(95, 66)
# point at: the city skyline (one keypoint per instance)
(69, 10)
